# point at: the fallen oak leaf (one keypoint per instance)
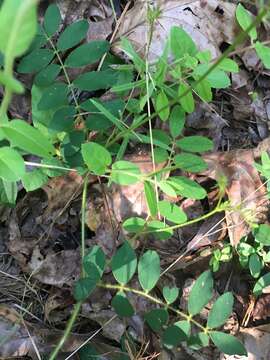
(209, 23)
(245, 190)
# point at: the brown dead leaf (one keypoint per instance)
(210, 231)
(55, 269)
(256, 341)
(245, 190)
(57, 306)
(15, 339)
(61, 191)
(113, 205)
(261, 310)
(209, 23)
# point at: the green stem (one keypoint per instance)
(190, 222)
(113, 10)
(153, 299)
(4, 105)
(70, 85)
(67, 332)
(78, 305)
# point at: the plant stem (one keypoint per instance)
(63, 67)
(113, 10)
(4, 105)
(190, 222)
(78, 305)
(68, 329)
(153, 299)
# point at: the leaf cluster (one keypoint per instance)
(124, 265)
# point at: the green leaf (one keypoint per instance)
(187, 188)
(195, 143)
(189, 162)
(35, 61)
(47, 76)
(181, 43)
(167, 188)
(263, 53)
(263, 282)
(72, 143)
(160, 155)
(121, 305)
(95, 259)
(221, 310)
(176, 121)
(124, 263)
(159, 230)
(151, 198)
(125, 173)
(149, 270)
(108, 115)
(96, 157)
(156, 318)
(11, 164)
(201, 293)
(228, 344)
(198, 341)
(245, 19)
(134, 224)
(10, 83)
(96, 80)
(128, 86)
(229, 65)
(173, 336)
(98, 118)
(18, 24)
(28, 138)
(186, 101)
(172, 212)
(255, 265)
(161, 138)
(84, 287)
(8, 192)
(262, 234)
(34, 180)
(217, 78)
(203, 90)
(170, 294)
(204, 56)
(40, 118)
(87, 54)
(53, 96)
(88, 353)
(127, 48)
(63, 119)
(245, 249)
(162, 106)
(52, 20)
(72, 35)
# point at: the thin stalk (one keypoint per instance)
(147, 73)
(63, 67)
(78, 305)
(153, 299)
(5, 102)
(68, 329)
(113, 10)
(190, 222)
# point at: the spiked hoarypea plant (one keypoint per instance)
(74, 130)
